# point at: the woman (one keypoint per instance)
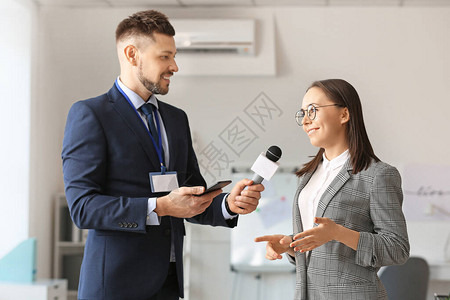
(347, 215)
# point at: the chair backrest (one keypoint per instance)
(408, 281)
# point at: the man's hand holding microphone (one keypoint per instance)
(186, 202)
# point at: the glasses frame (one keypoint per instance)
(301, 113)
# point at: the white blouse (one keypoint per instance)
(309, 197)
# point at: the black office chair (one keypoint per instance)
(441, 297)
(408, 281)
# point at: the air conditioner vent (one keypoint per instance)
(209, 36)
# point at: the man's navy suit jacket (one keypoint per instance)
(107, 156)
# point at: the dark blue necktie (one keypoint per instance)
(148, 110)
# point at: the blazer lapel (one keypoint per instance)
(300, 258)
(342, 177)
(134, 122)
(296, 212)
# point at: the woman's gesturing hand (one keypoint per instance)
(277, 244)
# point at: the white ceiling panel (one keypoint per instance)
(113, 3)
(291, 2)
(364, 2)
(187, 3)
(425, 2)
(73, 3)
(216, 2)
(143, 2)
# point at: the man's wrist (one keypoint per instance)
(227, 207)
(159, 209)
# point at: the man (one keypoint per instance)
(120, 153)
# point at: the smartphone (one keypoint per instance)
(218, 185)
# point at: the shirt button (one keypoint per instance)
(120, 224)
(135, 225)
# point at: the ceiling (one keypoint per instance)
(189, 3)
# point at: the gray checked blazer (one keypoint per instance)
(369, 202)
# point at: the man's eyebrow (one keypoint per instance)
(168, 51)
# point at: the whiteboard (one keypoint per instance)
(273, 216)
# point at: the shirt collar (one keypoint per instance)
(336, 162)
(135, 99)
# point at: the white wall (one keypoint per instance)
(396, 57)
(15, 91)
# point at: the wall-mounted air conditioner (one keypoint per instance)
(234, 36)
(226, 46)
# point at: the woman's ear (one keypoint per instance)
(345, 115)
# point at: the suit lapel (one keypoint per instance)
(342, 177)
(134, 122)
(170, 126)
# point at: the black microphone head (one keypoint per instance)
(273, 153)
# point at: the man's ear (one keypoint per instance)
(345, 115)
(131, 54)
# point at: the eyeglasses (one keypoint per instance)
(310, 112)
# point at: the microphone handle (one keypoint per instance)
(257, 179)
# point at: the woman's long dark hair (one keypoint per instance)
(361, 153)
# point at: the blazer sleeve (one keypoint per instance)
(388, 244)
(84, 156)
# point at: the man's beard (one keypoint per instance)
(152, 87)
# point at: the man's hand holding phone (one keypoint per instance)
(185, 202)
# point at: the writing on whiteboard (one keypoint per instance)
(426, 192)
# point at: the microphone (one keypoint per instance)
(266, 165)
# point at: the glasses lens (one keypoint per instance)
(311, 112)
(299, 116)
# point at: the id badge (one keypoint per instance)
(166, 182)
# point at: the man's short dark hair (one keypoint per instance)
(144, 23)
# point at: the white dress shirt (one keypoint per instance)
(309, 197)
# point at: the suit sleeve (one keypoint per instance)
(84, 156)
(213, 214)
(388, 244)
